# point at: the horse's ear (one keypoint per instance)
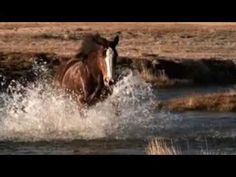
(115, 41)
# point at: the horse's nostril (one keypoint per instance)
(111, 82)
(108, 82)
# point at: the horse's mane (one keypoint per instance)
(89, 44)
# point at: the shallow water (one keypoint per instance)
(38, 119)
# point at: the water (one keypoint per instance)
(38, 119)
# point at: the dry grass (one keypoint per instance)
(221, 102)
(163, 80)
(173, 40)
(148, 75)
(160, 80)
(159, 147)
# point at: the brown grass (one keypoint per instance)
(222, 102)
(173, 40)
(160, 80)
(159, 147)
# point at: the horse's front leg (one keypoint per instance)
(96, 91)
(94, 94)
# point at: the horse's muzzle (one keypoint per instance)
(108, 82)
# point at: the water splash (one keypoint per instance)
(40, 112)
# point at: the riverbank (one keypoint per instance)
(217, 102)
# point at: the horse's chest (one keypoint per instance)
(90, 82)
(80, 79)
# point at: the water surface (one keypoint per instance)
(38, 119)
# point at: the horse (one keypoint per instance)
(89, 75)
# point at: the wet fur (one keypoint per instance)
(82, 76)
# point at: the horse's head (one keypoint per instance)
(103, 52)
(107, 59)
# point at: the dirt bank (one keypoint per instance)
(176, 72)
(159, 71)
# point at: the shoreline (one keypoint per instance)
(216, 102)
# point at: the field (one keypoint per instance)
(138, 40)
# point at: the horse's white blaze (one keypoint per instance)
(108, 60)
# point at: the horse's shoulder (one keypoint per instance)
(62, 70)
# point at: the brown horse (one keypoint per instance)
(91, 71)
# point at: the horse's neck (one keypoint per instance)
(92, 67)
